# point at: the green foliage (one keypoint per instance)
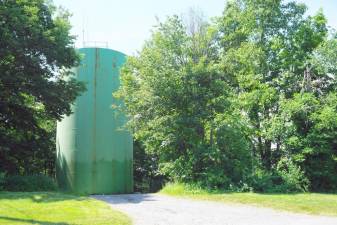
(29, 183)
(36, 49)
(147, 177)
(268, 47)
(312, 142)
(287, 177)
(177, 101)
(293, 177)
(252, 107)
(324, 59)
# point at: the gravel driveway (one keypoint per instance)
(156, 209)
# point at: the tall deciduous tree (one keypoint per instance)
(248, 99)
(266, 47)
(178, 100)
(35, 51)
(284, 77)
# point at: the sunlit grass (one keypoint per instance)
(310, 203)
(56, 209)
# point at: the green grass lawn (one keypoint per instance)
(56, 209)
(310, 203)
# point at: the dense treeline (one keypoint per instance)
(36, 48)
(247, 102)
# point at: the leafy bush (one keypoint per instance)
(214, 179)
(292, 176)
(262, 181)
(287, 177)
(145, 169)
(29, 183)
(311, 141)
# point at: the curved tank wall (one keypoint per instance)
(94, 150)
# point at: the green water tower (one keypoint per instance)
(94, 149)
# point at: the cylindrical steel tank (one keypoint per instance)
(94, 149)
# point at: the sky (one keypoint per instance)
(124, 25)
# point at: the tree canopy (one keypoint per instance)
(247, 101)
(36, 50)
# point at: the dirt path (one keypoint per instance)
(155, 209)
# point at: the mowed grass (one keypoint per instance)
(309, 203)
(56, 209)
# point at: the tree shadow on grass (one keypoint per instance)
(41, 197)
(31, 221)
(55, 197)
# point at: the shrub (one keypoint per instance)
(146, 174)
(287, 177)
(293, 177)
(29, 183)
(262, 181)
